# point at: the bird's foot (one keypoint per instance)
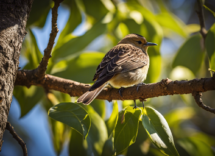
(135, 105)
(140, 84)
(120, 91)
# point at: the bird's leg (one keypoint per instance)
(135, 105)
(142, 100)
(140, 84)
(120, 91)
(143, 104)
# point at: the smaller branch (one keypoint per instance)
(41, 69)
(200, 14)
(18, 139)
(197, 96)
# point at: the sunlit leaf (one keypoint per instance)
(81, 68)
(190, 56)
(59, 130)
(142, 143)
(59, 135)
(75, 45)
(99, 107)
(159, 132)
(195, 147)
(181, 73)
(38, 18)
(213, 13)
(169, 21)
(210, 46)
(73, 21)
(192, 28)
(112, 121)
(126, 128)
(27, 97)
(97, 134)
(174, 117)
(96, 9)
(73, 115)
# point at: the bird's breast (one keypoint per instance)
(130, 78)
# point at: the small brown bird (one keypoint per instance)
(124, 65)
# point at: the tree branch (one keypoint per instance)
(18, 139)
(41, 69)
(73, 88)
(200, 14)
(197, 96)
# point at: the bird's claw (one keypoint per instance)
(140, 84)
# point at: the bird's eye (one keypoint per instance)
(139, 42)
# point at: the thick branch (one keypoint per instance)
(40, 71)
(197, 96)
(18, 139)
(165, 87)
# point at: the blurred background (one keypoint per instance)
(87, 30)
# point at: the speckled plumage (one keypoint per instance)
(124, 65)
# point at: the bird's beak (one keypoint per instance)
(150, 44)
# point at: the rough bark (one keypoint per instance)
(13, 18)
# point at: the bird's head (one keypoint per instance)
(137, 41)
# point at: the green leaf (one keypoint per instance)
(159, 132)
(141, 145)
(195, 147)
(39, 12)
(60, 134)
(181, 73)
(190, 54)
(97, 136)
(108, 148)
(171, 22)
(112, 121)
(80, 68)
(73, 21)
(126, 128)
(99, 107)
(209, 10)
(31, 51)
(27, 98)
(96, 9)
(73, 115)
(175, 117)
(76, 144)
(75, 45)
(210, 46)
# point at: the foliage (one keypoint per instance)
(129, 130)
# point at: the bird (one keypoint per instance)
(125, 65)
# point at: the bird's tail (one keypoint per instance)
(89, 96)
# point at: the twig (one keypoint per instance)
(200, 14)
(197, 96)
(18, 139)
(40, 71)
(163, 88)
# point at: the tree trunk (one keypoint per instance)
(13, 19)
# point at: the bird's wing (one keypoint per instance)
(121, 58)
